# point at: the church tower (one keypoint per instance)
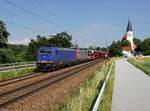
(129, 35)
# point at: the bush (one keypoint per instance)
(13, 53)
(6, 56)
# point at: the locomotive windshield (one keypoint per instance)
(45, 51)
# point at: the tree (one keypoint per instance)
(32, 50)
(138, 44)
(98, 48)
(13, 53)
(124, 43)
(62, 39)
(145, 46)
(18, 52)
(6, 55)
(137, 41)
(3, 35)
(115, 49)
(103, 49)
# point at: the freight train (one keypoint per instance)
(49, 58)
(92, 55)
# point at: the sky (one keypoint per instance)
(90, 22)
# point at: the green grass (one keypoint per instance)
(105, 104)
(16, 73)
(143, 64)
(83, 98)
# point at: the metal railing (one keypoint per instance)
(99, 98)
(16, 63)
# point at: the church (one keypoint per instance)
(128, 50)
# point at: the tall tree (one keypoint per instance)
(98, 48)
(115, 48)
(3, 35)
(124, 43)
(138, 44)
(145, 47)
(62, 39)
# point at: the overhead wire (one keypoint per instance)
(19, 25)
(22, 26)
(34, 14)
(49, 11)
(41, 4)
(8, 11)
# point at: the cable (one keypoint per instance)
(32, 13)
(9, 12)
(22, 26)
(49, 11)
(15, 15)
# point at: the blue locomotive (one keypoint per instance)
(53, 57)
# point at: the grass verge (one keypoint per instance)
(16, 73)
(105, 104)
(82, 98)
(143, 64)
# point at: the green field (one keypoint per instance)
(83, 98)
(143, 64)
(16, 73)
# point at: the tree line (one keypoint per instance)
(142, 47)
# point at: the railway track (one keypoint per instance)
(15, 89)
(21, 78)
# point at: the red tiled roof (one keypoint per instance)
(124, 37)
(127, 48)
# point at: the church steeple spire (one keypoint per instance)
(129, 27)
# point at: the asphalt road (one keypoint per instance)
(131, 88)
